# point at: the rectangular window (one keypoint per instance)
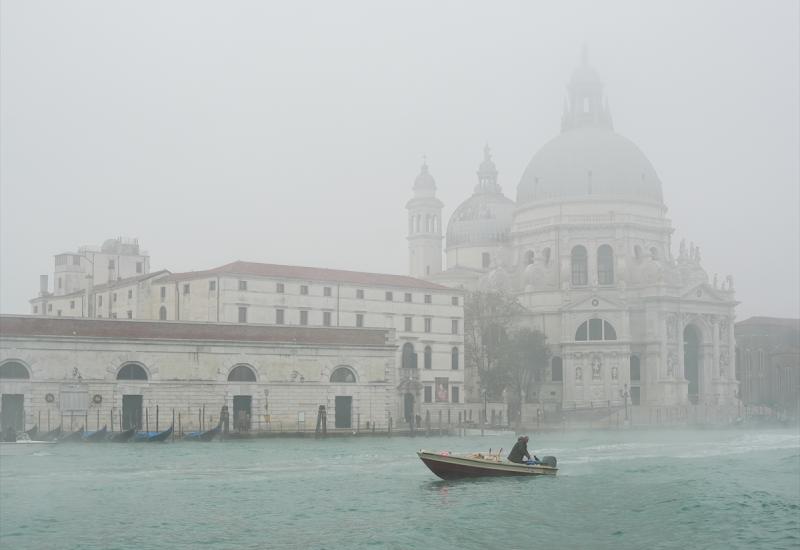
(114, 297)
(138, 267)
(49, 308)
(304, 289)
(428, 394)
(242, 314)
(59, 282)
(408, 323)
(360, 294)
(326, 291)
(185, 289)
(359, 320)
(279, 288)
(100, 301)
(326, 318)
(486, 260)
(428, 299)
(130, 314)
(303, 317)
(454, 300)
(454, 393)
(212, 285)
(407, 297)
(130, 294)
(72, 304)
(242, 285)
(428, 323)
(389, 296)
(163, 292)
(454, 326)
(279, 316)
(111, 264)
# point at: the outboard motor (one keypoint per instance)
(549, 461)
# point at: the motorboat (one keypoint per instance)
(22, 444)
(449, 465)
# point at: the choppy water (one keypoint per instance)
(667, 489)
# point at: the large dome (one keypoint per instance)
(589, 160)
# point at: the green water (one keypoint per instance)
(616, 489)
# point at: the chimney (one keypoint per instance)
(42, 285)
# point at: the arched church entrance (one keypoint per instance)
(691, 361)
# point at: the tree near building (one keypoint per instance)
(524, 364)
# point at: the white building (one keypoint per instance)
(586, 248)
(93, 372)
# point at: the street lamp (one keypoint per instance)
(625, 394)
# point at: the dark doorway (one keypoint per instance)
(344, 414)
(408, 407)
(636, 396)
(241, 411)
(131, 411)
(691, 362)
(13, 412)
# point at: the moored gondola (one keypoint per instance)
(207, 435)
(153, 437)
(122, 437)
(52, 435)
(73, 437)
(32, 433)
(96, 437)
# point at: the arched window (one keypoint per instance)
(595, 329)
(556, 369)
(580, 268)
(242, 373)
(428, 357)
(454, 358)
(132, 371)
(409, 356)
(162, 314)
(14, 371)
(529, 257)
(605, 265)
(343, 375)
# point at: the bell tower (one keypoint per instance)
(424, 227)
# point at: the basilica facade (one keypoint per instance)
(586, 247)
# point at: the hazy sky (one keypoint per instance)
(291, 132)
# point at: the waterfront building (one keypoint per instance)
(587, 249)
(768, 364)
(94, 372)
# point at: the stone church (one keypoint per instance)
(586, 247)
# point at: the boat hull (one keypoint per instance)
(448, 466)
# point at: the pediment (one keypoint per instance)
(595, 303)
(704, 292)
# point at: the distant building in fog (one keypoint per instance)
(768, 363)
(586, 248)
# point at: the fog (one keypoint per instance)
(292, 132)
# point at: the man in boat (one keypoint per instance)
(520, 450)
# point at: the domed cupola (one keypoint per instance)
(588, 158)
(485, 217)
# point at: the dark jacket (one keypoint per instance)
(520, 450)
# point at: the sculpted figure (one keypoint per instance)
(578, 374)
(596, 368)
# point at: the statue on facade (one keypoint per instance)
(671, 360)
(596, 366)
(578, 374)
